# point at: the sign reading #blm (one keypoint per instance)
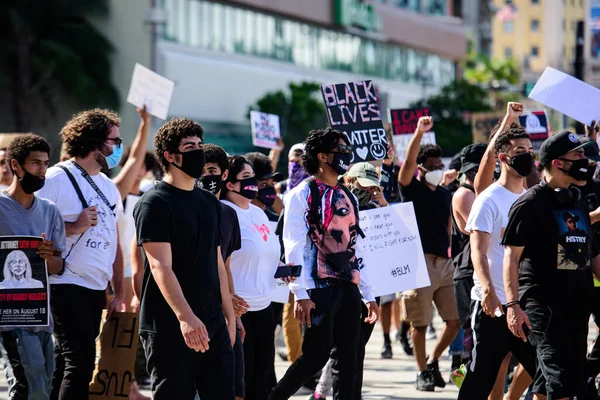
(353, 109)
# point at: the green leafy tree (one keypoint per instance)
(51, 54)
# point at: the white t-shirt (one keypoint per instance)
(253, 267)
(90, 263)
(126, 226)
(490, 214)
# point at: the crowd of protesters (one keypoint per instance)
(198, 242)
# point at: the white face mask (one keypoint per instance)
(434, 177)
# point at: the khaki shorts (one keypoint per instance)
(416, 303)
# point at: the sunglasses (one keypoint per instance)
(342, 148)
(432, 167)
(117, 141)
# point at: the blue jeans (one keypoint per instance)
(456, 347)
(28, 360)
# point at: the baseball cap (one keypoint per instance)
(455, 162)
(470, 156)
(296, 147)
(567, 215)
(261, 164)
(365, 173)
(592, 151)
(558, 145)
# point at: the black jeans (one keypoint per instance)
(178, 372)
(335, 323)
(594, 356)
(259, 355)
(77, 315)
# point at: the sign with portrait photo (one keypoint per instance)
(353, 108)
(24, 298)
(536, 125)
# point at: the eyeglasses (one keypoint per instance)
(432, 167)
(342, 148)
(118, 141)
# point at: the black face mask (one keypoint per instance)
(523, 164)
(267, 196)
(579, 169)
(341, 162)
(248, 188)
(192, 163)
(31, 183)
(212, 183)
(591, 172)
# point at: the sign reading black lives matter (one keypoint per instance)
(353, 109)
(24, 299)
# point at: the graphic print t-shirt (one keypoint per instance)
(558, 248)
(490, 214)
(90, 263)
(254, 265)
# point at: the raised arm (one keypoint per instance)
(409, 166)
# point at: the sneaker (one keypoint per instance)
(406, 346)
(282, 353)
(457, 376)
(425, 382)
(315, 396)
(435, 372)
(398, 337)
(387, 353)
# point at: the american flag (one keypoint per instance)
(507, 13)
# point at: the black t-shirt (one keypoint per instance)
(460, 248)
(590, 193)
(271, 215)
(432, 209)
(190, 222)
(231, 239)
(555, 267)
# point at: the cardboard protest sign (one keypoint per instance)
(567, 95)
(392, 231)
(536, 124)
(282, 293)
(115, 352)
(265, 129)
(151, 90)
(483, 123)
(24, 298)
(404, 125)
(353, 109)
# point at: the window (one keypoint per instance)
(508, 27)
(535, 25)
(508, 52)
(535, 51)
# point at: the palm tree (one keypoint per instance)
(52, 54)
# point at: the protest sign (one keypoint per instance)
(115, 352)
(404, 125)
(567, 95)
(265, 129)
(24, 299)
(282, 293)
(392, 249)
(151, 90)
(536, 124)
(353, 109)
(483, 123)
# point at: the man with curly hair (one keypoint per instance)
(187, 319)
(432, 209)
(88, 202)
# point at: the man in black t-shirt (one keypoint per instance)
(432, 208)
(555, 292)
(185, 293)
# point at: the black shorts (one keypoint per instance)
(462, 291)
(559, 335)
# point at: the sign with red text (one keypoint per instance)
(265, 129)
(404, 125)
(24, 298)
(353, 109)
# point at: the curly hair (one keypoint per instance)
(235, 165)
(21, 146)
(428, 151)
(169, 137)
(216, 154)
(87, 131)
(515, 131)
(319, 141)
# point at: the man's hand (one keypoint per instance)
(302, 311)
(194, 333)
(135, 304)
(379, 198)
(241, 328)
(425, 124)
(391, 155)
(115, 305)
(449, 177)
(513, 111)
(87, 218)
(373, 312)
(240, 307)
(288, 279)
(592, 130)
(144, 115)
(515, 317)
(490, 303)
(46, 248)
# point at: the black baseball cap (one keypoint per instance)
(455, 162)
(558, 145)
(567, 215)
(592, 151)
(261, 164)
(470, 156)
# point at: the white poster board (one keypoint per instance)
(567, 95)
(265, 129)
(392, 249)
(151, 90)
(282, 293)
(401, 142)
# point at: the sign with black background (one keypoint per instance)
(536, 125)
